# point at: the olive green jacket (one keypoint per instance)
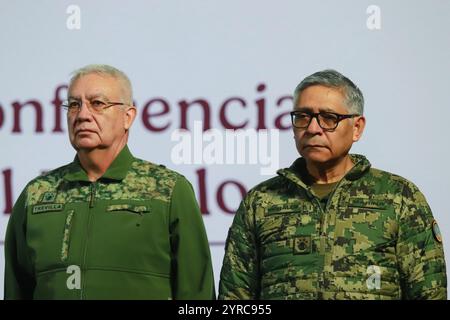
(375, 239)
(135, 233)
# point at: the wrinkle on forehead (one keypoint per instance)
(90, 96)
(106, 91)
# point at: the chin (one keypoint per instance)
(86, 144)
(85, 147)
(320, 156)
(318, 160)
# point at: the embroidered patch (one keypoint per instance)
(48, 197)
(47, 207)
(302, 245)
(436, 232)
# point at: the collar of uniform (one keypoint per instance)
(116, 171)
(298, 169)
(294, 172)
(362, 165)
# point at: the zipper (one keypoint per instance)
(83, 267)
(322, 233)
(323, 237)
(92, 195)
(323, 218)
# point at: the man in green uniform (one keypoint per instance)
(107, 225)
(330, 226)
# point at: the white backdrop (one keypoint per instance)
(180, 51)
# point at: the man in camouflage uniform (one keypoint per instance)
(107, 225)
(330, 226)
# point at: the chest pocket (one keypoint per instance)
(286, 234)
(365, 224)
(128, 215)
(138, 209)
(48, 234)
(283, 222)
(365, 237)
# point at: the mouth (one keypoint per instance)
(313, 146)
(81, 131)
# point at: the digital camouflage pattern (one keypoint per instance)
(136, 233)
(374, 240)
(66, 236)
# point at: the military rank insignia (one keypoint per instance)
(302, 245)
(47, 204)
(48, 197)
(436, 232)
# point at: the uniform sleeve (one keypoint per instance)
(239, 277)
(192, 273)
(419, 249)
(19, 282)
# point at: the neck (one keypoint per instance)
(96, 161)
(329, 172)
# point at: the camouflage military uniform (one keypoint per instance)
(373, 240)
(136, 233)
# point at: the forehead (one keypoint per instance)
(318, 97)
(94, 85)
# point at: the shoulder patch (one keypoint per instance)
(436, 232)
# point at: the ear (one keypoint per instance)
(130, 115)
(358, 127)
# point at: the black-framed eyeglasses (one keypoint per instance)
(96, 106)
(328, 121)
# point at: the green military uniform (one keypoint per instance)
(135, 233)
(375, 238)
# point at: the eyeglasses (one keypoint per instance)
(96, 106)
(328, 121)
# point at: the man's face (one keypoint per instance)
(317, 145)
(89, 130)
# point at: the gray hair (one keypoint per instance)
(104, 69)
(354, 98)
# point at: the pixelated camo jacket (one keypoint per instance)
(375, 239)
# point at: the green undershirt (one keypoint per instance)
(324, 189)
(321, 191)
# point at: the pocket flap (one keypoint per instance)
(139, 209)
(366, 203)
(288, 208)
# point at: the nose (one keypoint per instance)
(84, 113)
(314, 127)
